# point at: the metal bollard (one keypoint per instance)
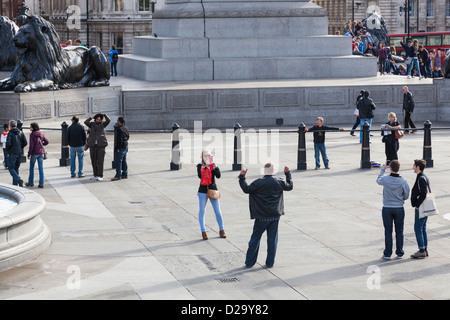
(65, 158)
(301, 151)
(237, 154)
(175, 163)
(114, 164)
(365, 148)
(427, 150)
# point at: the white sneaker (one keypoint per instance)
(92, 178)
(421, 77)
(408, 77)
(99, 178)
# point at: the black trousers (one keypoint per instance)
(391, 148)
(408, 122)
(97, 158)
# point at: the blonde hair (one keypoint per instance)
(320, 119)
(393, 115)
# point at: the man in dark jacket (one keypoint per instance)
(15, 142)
(121, 149)
(266, 208)
(76, 138)
(408, 108)
(97, 143)
(365, 106)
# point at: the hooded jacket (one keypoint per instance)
(15, 141)
(395, 189)
(35, 143)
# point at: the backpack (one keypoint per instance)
(115, 57)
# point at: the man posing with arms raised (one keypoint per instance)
(266, 208)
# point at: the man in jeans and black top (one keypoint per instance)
(76, 139)
(266, 208)
(121, 149)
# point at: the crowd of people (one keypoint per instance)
(79, 140)
(416, 60)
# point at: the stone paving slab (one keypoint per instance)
(139, 238)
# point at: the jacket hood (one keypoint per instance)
(15, 130)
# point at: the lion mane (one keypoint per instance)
(8, 52)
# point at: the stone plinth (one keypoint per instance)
(242, 40)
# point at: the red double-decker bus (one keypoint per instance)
(430, 40)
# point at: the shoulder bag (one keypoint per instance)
(428, 206)
(45, 152)
(213, 194)
(399, 134)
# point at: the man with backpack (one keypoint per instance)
(113, 58)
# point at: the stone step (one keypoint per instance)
(158, 69)
(191, 48)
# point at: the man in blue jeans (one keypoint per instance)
(76, 139)
(395, 192)
(15, 142)
(266, 208)
(121, 149)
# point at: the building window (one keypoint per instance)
(412, 12)
(118, 5)
(144, 5)
(117, 40)
(447, 8)
(430, 29)
(430, 8)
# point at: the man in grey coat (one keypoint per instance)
(97, 143)
(395, 192)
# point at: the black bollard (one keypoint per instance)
(237, 154)
(65, 157)
(114, 165)
(365, 148)
(301, 151)
(427, 150)
(175, 163)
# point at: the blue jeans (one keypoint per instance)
(396, 217)
(319, 148)
(121, 163)
(272, 240)
(362, 121)
(202, 199)
(114, 68)
(414, 61)
(40, 161)
(13, 167)
(74, 152)
(420, 229)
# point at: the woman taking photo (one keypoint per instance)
(391, 144)
(207, 171)
(36, 153)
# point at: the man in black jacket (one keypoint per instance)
(76, 138)
(408, 108)
(266, 208)
(365, 106)
(15, 142)
(121, 149)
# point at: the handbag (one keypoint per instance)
(213, 194)
(45, 152)
(356, 112)
(399, 134)
(408, 60)
(428, 206)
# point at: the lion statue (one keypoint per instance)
(8, 52)
(44, 65)
(376, 28)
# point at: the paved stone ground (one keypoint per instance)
(140, 239)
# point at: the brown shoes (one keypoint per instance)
(420, 255)
(222, 234)
(204, 236)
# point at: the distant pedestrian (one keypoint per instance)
(97, 143)
(121, 149)
(113, 59)
(356, 113)
(365, 107)
(382, 57)
(36, 154)
(391, 144)
(418, 194)
(319, 141)
(395, 192)
(76, 138)
(15, 142)
(207, 172)
(3, 142)
(408, 108)
(266, 208)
